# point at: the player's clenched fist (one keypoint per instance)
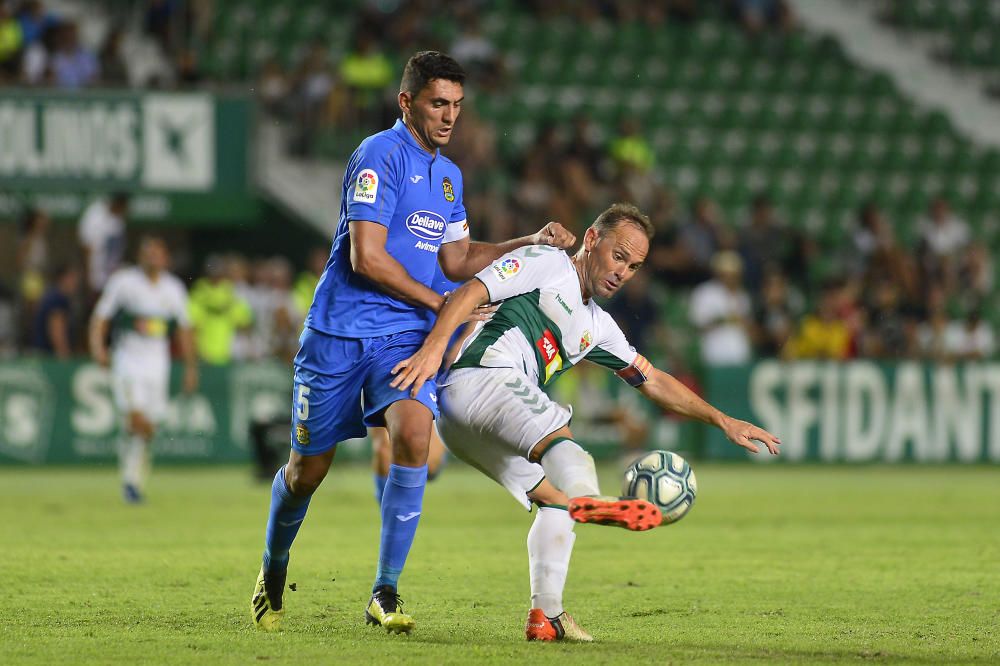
(556, 235)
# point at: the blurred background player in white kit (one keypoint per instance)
(102, 237)
(138, 306)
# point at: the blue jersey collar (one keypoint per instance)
(403, 131)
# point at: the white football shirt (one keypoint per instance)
(141, 312)
(543, 326)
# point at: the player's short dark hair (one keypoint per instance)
(425, 66)
(623, 213)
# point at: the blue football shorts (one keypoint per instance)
(341, 386)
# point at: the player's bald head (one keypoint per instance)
(623, 213)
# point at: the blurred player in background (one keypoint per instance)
(495, 416)
(102, 236)
(138, 306)
(401, 215)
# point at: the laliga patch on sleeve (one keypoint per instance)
(506, 268)
(366, 186)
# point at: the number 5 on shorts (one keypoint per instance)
(302, 403)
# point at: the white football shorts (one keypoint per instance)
(492, 417)
(147, 394)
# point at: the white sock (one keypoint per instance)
(550, 544)
(570, 469)
(133, 460)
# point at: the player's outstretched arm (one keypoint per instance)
(670, 394)
(423, 365)
(370, 260)
(462, 259)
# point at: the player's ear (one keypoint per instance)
(405, 100)
(590, 239)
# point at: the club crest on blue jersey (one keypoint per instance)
(449, 191)
(302, 434)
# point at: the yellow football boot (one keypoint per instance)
(265, 604)
(386, 609)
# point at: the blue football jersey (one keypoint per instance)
(417, 196)
(442, 284)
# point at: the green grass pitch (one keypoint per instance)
(790, 564)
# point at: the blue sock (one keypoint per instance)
(379, 486)
(402, 502)
(287, 513)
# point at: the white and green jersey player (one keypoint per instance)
(542, 328)
(543, 324)
(140, 306)
(495, 416)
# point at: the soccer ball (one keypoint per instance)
(666, 480)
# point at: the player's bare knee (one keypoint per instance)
(409, 424)
(301, 481)
(409, 452)
(545, 494)
(139, 425)
(410, 442)
(304, 474)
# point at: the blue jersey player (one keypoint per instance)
(381, 446)
(401, 215)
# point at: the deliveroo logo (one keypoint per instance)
(26, 406)
(178, 142)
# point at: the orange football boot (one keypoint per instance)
(561, 628)
(628, 512)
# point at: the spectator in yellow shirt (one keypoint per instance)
(217, 313)
(822, 334)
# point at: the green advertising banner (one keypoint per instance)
(63, 412)
(863, 411)
(186, 156)
(55, 412)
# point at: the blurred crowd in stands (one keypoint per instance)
(751, 285)
(715, 291)
(241, 308)
(40, 48)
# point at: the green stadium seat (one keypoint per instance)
(723, 112)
